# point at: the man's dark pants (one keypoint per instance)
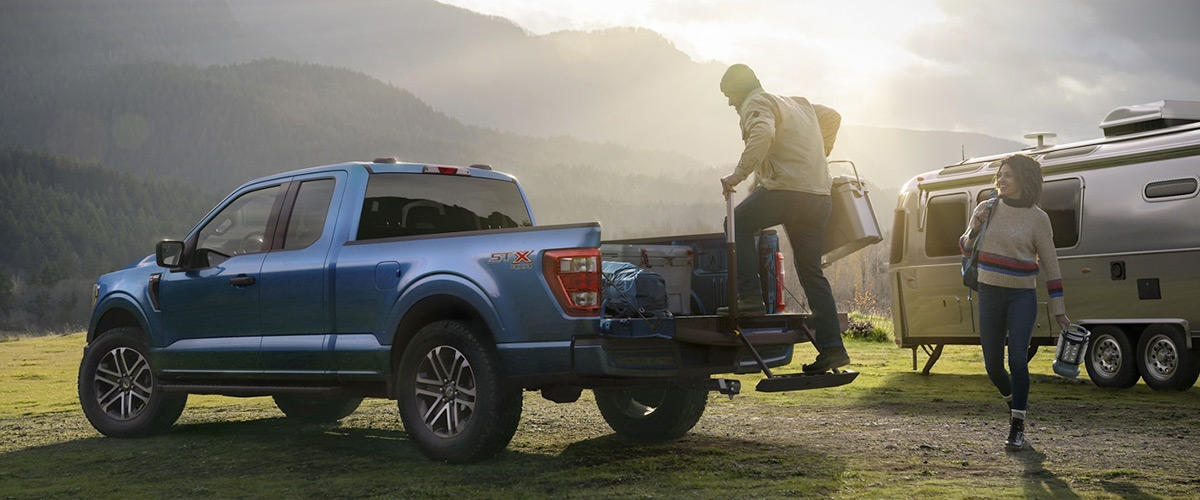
(804, 216)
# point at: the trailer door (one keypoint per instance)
(937, 307)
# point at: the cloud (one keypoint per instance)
(1028, 66)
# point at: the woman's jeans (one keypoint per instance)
(803, 216)
(1007, 312)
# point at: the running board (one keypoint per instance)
(250, 390)
(803, 381)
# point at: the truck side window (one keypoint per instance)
(1061, 201)
(241, 226)
(946, 220)
(308, 215)
(417, 204)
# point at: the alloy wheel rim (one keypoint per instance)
(446, 391)
(1107, 356)
(1161, 357)
(124, 383)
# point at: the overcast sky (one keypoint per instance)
(1002, 68)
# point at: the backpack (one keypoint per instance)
(827, 118)
(633, 292)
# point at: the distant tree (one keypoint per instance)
(6, 292)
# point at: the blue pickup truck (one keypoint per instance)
(427, 284)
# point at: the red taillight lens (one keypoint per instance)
(574, 277)
(780, 303)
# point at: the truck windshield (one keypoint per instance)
(418, 204)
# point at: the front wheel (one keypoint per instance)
(453, 398)
(1164, 359)
(1110, 359)
(316, 409)
(118, 391)
(651, 415)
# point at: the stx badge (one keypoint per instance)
(519, 259)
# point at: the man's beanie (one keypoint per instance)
(739, 78)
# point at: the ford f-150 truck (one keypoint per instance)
(427, 284)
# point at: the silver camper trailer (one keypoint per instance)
(1126, 220)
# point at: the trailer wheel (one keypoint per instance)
(1164, 359)
(316, 409)
(119, 393)
(453, 399)
(651, 415)
(1110, 358)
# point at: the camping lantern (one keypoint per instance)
(1072, 346)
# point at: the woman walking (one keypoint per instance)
(1017, 244)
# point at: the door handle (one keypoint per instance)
(242, 281)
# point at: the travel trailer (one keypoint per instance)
(1126, 220)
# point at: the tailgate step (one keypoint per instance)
(802, 381)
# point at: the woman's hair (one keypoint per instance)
(1028, 173)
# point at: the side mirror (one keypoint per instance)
(169, 254)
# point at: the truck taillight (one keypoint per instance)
(780, 303)
(574, 277)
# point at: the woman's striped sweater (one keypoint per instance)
(1017, 240)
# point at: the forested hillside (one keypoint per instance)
(221, 125)
(65, 222)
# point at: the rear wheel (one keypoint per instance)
(1110, 358)
(1164, 359)
(651, 414)
(453, 398)
(118, 391)
(316, 409)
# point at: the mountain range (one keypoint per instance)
(201, 95)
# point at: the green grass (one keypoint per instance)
(243, 448)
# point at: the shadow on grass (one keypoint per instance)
(704, 465)
(275, 458)
(1040, 482)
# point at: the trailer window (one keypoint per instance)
(946, 221)
(1061, 201)
(1172, 189)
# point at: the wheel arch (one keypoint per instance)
(447, 297)
(1135, 327)
(119, 311)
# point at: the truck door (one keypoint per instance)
(210, 313)
(295, 279)
(937, 307)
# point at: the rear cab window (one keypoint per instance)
(414, 204)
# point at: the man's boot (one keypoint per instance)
(1016, 435)
(828, 359)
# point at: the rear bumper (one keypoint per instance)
(688, 346)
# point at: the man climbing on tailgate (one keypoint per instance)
(786, 150)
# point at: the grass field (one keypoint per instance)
(892, 434)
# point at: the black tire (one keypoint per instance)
(453, 399)
(1033, 350)
(1111, 362)
(651, 415)
(118, 389)
(316, 409)
(1164, 360)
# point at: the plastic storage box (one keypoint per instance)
(672, 262)
(852, 225)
